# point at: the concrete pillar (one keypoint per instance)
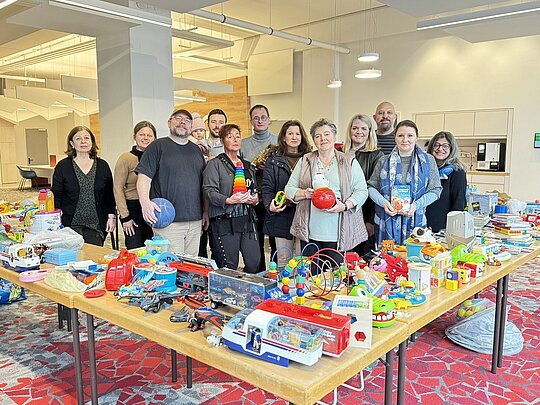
(135, 83)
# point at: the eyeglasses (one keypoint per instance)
(262, 118)
(443, 146)
(179, 118)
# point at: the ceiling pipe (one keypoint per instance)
(267, 30)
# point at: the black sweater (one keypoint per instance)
(66, 191)
(452, 198)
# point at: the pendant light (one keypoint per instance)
(335, 83)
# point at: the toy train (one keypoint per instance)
(19, 256)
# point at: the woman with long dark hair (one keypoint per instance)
(445, 150)
(292, 145)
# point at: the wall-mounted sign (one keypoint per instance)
(537, 140)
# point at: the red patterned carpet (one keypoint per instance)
(36, 365)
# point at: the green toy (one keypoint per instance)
(460, 254)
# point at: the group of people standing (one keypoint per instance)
(197, 175)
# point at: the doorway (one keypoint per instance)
(37, 146)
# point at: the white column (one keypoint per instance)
(135, 83)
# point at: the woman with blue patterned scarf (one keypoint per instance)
(409, 172)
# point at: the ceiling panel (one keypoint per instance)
(422, 8)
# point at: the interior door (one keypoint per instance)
(37, 148)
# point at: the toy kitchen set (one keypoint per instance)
(491, 156)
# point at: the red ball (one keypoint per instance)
(285, 289)
(323, 198)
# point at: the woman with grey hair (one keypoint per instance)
(445, 150)
(340, 227)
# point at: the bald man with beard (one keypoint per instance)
(385, 117)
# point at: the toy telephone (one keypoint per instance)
(280, 198)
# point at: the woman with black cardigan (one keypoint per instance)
(83, 188)
(444, 148)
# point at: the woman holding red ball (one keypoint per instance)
(341, 226)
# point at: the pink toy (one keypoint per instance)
(33, 275)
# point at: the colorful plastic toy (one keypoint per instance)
(460, 254)
(239, 182)
(280, 198)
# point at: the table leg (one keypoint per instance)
(68, 318)
(402, 360)
(174, 366)
(77, 355)
(503, 320)
(60, 316)
(92, 358)
(389, 377)
(189, 372)
(497, 327)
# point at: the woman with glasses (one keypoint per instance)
(340, 227)
(402, 185)
(135, 228)
(229, 186)
(361, 141)
(281, 161)
(444, 148)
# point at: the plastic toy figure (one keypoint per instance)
(396, 267)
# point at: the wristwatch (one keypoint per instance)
(346, 206)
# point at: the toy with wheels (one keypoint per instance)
(165, 217)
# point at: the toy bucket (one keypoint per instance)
(413, 249)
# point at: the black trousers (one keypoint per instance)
(324, 261)
(143, 231)
(231, 243)
(90, 236)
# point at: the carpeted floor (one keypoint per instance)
(36, 363)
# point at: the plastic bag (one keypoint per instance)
(476, 333)
(65, 238)
(64, 280)
(10, 292)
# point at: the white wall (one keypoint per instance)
(430, 74)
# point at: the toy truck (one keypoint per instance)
(238, 289)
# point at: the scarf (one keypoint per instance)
(399, 227)
(136, 152)
(446, 171)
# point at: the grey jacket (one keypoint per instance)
(218, 179)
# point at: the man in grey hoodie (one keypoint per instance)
(251, 148)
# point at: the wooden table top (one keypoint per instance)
(441, 299)
(297, 383)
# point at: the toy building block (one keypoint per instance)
(464, 275)
(452, 284)
(452, 275)
(477, 269)
(437, 281)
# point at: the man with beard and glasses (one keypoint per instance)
(385, 117)
(172, 168)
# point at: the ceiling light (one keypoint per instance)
(369, 57)
(515, 9)
(368, 73)
(109, 9)
(6, 3)
(80, 98)
(59, 105)
(22, 109)
(334, 84)
(191, 98)
(23, 78)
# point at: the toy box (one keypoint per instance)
(238, 289)
(482, 203)
(360, 309)
(336, 328)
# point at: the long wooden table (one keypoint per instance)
(67, 299)
(441, 300)
(297, 383)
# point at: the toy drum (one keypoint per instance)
(420, 275)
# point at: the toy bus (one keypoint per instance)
(273, 338)
(19, 256)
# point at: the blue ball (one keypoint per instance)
(167, 214)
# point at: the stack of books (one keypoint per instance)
(512, 231)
